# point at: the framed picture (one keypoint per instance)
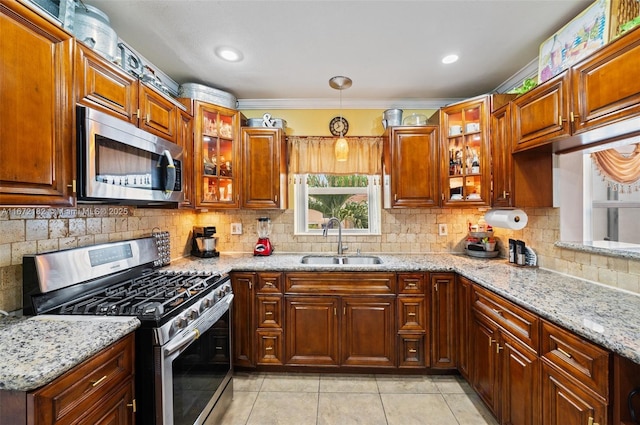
(585, 34)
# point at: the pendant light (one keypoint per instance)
(342, 147)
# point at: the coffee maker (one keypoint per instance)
(203, 243)
(263, 246)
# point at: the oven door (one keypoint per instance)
(196, 372)
(119, 162)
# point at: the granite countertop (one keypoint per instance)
(607, 316)
(36, 350)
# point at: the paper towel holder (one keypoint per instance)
(520, 219)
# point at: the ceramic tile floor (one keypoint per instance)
(331, 399)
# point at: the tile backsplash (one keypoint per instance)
(37, 230)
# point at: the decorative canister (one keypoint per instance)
(92, 27)
(392, 117)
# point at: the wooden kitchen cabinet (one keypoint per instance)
(542, 115)
(103, 85)
(522, 179)
(37, 149)
(185, 141)
(443, 320)
(269, 319)
(264, 168)
(465, 163)
(605, 89)
(340, 319)
(506, 367)
(413, 319)
(410, 167)
(463, 323)
(216, 156)
(244, 330)
(98, 390)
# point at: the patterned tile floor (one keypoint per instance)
(331, 399)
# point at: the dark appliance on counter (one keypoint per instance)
(121, 163)
(203, 242)
(183, 359)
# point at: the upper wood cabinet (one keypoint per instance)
(541, 115)
(105, 86)
(605, 89)
(410, 167)
(596, 100)
(264, 168)
(185, 140)
(465, 151)
(522, 179)
(36, 116)
(216, 156)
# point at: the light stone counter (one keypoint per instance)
(604, 315)
(36, 350)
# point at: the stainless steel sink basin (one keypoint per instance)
(326, 259)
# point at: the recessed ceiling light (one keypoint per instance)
(449, 59)
(229, 54)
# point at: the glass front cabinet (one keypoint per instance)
(466, 173)
(217, 155)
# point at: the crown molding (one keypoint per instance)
(263, 104)
(530, 70)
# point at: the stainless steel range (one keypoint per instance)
(183, 359)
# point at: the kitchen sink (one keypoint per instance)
(333, 259)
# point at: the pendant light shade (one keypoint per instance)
(342, 149)
(342, 146)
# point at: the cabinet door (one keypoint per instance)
(368, 331)
(463, 320)
(485, 376)
(412, 351)
(117, 409)
(243, 328)
(217, 156)
(541, 115)
(411, 160)
(311, 330)
(185, 140)
(466, 167)
(104, 86)
(520, 383)
(269, 350)
(565, 402)
(501, 163)
(269, 311)
(158, 115)
(37, 147)
(605, 88)
(264, 168)
(443, 308)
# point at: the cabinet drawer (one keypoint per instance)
(581, 359)
(269, 309)
(76, 391)
(411, 350)
(411, 283)
(270, 283)
(270, 347)
(411, 313)
(519, 322)
(345, 283)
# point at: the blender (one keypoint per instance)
(263, 246)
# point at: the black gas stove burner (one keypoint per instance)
(151, 296)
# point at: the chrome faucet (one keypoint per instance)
(326, 230)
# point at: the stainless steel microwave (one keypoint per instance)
(120, 163)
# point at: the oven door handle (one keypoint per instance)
(173, 347)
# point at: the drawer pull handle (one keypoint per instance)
(269, 348)
(133, 405)
(411, 314)
(563, 352)
(269, 284)
(496, 311)
(590, 422)
(413, 350)
(498, 348)
(95, 383)
(491, 341)
(268, 313)
(412, 284)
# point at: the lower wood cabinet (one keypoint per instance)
(243, 329)
(443, 309)
(100, 390)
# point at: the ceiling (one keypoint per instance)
(391, 49)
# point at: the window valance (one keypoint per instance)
(617, 167)
(312, 154)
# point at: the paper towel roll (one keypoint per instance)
(507, 219)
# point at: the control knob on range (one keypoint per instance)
(180, 322)
(192, 315)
